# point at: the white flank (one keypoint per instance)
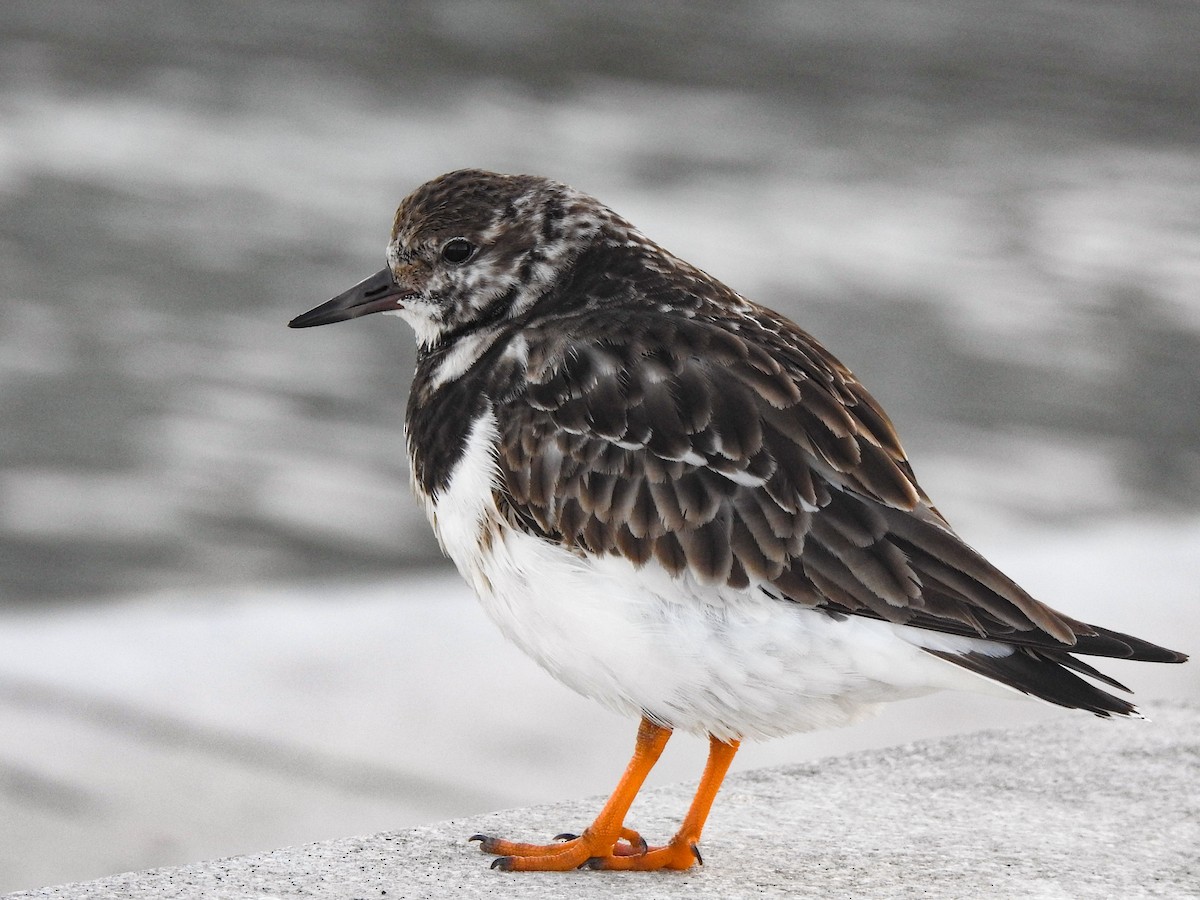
(736, 664)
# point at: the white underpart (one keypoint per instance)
(735, 664)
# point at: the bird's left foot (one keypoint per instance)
(625, 851)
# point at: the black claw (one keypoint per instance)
(643, 847)
(696, 853)
(595, 863)
(566, 836)
(503, 863)
(486, 844)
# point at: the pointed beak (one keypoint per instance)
(378, 293)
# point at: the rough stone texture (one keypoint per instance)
(1082, 808)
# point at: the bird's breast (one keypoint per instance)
(450, 395)
(458, 491)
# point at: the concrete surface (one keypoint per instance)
(1079, 808)
(179, 726)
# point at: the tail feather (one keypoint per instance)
(1046, 674)
(1078, 665)
(1092, 640)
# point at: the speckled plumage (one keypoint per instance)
(674, 499)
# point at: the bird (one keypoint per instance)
(678, 502)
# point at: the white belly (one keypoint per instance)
(736, 664)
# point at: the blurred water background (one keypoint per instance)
(991, 212)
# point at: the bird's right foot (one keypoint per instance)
(569, 852)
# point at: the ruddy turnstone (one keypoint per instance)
(677, 501)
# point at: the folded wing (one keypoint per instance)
(753, 458)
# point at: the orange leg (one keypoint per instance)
(600, 839)
(683, 850)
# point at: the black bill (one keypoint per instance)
(375, 294)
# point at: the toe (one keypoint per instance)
(631, 844)
(569, 852)
(677, 855)
(501, 847)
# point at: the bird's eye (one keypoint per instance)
(457, 250)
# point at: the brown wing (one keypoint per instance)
(749, 456)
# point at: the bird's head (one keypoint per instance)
(470, 247)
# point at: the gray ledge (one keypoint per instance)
(1079, 808)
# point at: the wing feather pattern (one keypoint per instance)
(750, 456)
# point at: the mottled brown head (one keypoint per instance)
(463, 200)
(471, 247)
